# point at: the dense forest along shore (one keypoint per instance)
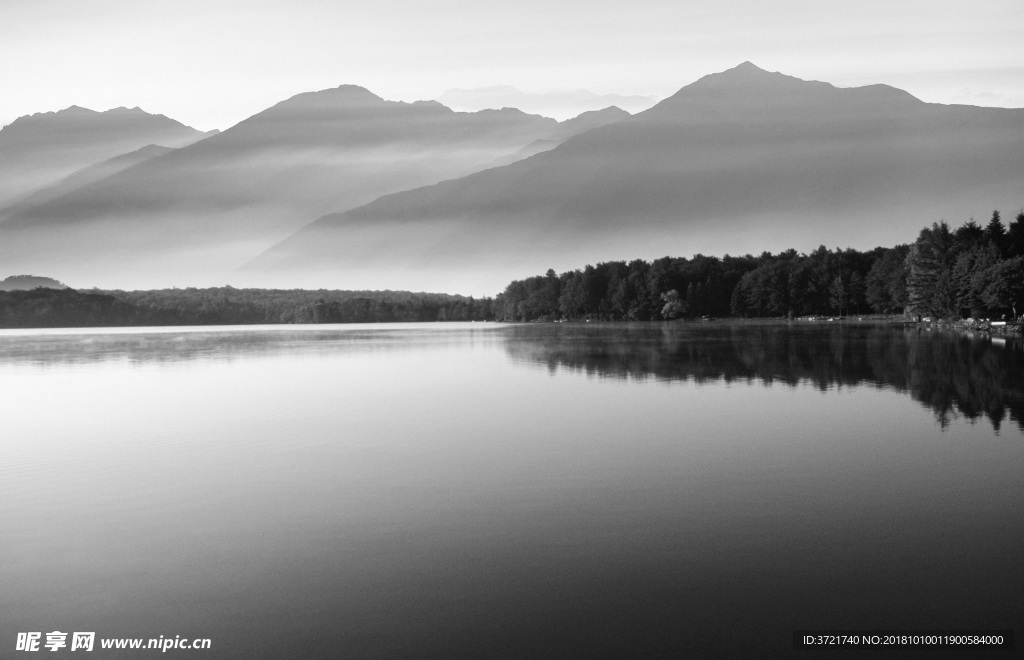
(970, 278)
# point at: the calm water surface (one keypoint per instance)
(480, 490)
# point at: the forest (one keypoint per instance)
(230, 306)
(43, 307)
(972, 271)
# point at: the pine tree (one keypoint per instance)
(929, 282)
(969, 234)
(995, 233)
(969, 277)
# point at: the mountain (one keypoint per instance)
(193, 215)
(41, 149)
(566, 129)
(29, 282)
(87, 176)
(739, 161)
(557, 103)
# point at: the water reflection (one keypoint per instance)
(954, 375)
(411, 491)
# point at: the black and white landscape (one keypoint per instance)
(342, 189)
(738, 162)
(541, 330)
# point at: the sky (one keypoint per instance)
(212, 63)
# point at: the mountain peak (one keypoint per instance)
(354, 90)
(737, 90)
(342, 96)
(122, 110)
(747, 73)
(748, 67)
(749, 84)
(73, 110)
(604, 115)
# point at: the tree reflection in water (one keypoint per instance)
(953, 374)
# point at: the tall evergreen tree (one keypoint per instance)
(969, 234)
(995, 232)
(886, 284)
(969, 277)
(929, 283)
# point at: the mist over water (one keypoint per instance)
(480, 490)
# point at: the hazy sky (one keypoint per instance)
(211, 63)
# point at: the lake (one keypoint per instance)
(486, 490)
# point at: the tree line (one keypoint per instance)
(230, 306)
(946, 273)
(971, 271)
(45, 307)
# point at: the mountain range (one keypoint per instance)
(557, 103)
(740, 161)
(212, 205)
(41, 149)
(417, 196)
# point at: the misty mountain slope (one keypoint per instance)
(739, 161)
(558, 103)
(566, 129)
(41, 149)
(85, 177)
(211, 206)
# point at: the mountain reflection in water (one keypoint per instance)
(429, 490)
(953, 374)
